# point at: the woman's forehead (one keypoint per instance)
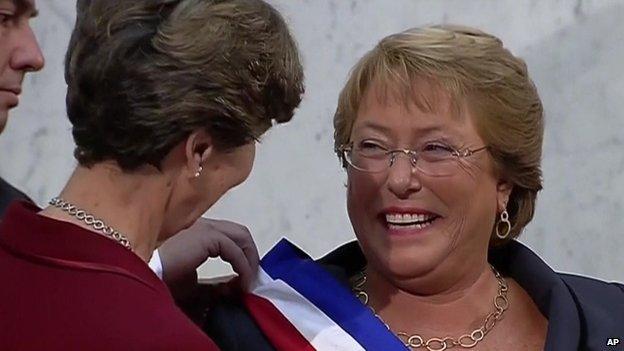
(379, 126)
(428, 103)
(425, 95)
(425, 109)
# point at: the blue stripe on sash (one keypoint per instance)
(288, 263)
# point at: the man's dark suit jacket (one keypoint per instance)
(7, 194)
(583, 313)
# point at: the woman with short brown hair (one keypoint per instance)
(166, 100)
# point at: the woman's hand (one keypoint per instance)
(207, 238)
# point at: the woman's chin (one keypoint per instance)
(406, 262)
(407, 252)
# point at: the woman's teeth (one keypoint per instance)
(409, 221)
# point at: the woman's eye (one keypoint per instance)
(434, 148)
(366, 145)
(5, 18)
(370, 146)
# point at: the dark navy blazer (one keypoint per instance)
(7, 194)
(583, 313)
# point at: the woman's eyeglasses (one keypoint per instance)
(433, 159)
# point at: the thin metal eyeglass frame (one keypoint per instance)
(413, 156)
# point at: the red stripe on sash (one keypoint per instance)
(280, 332)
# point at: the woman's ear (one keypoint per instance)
(199, 148)
(503, 189)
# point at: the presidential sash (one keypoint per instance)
(300, 306)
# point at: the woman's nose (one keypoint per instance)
(403, 178)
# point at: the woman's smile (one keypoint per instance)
(402, 221)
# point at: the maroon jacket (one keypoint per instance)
(66, 288)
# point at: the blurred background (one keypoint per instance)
(574, 52)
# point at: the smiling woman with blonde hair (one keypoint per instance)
(440, 132)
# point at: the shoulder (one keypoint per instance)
(600, 305)
(584, 284)
(232, 328)
(570, 302)
(8, 194)
(7, 189)
(595, 294)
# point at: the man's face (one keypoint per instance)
(19, 51)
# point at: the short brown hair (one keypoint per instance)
(474, 67)
(143, 74)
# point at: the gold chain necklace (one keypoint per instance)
(91, 221)
(469, 340)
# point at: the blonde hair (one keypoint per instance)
(473, 67)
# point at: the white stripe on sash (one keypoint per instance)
(320, 330)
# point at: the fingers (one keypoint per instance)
(242, 237)
(251, 251)
(207, 238)
(231, 252)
